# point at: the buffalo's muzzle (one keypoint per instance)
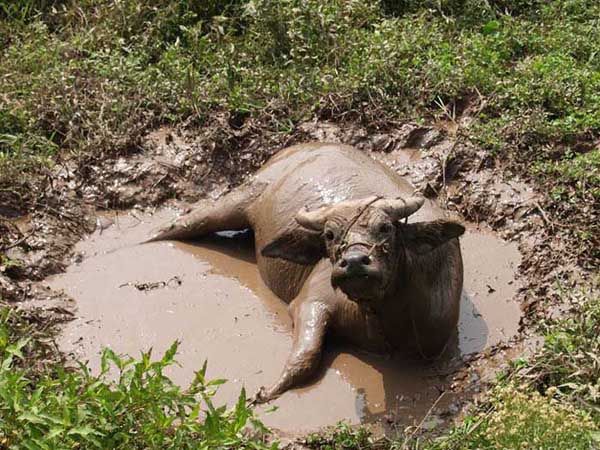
(355, 263)
(356, 274)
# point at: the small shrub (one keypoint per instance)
(569, 365)
(519, 418)
(132, 406)
(530, 420)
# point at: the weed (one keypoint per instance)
(519, 419)
(568, 365)
(532, 67)
(130, 404)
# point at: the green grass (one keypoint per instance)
(525, 420)
(569, 365)
(550, 402)
(94, 78)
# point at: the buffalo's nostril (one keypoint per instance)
(355, 261)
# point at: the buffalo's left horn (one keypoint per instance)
(400, 208)
(313, 220)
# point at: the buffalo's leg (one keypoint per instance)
(208, 216)
(360, 326)
(311, 319)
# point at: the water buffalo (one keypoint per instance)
(344, 241)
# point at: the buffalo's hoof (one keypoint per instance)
(261, 397)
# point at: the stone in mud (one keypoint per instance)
(414, 136)
(9, 290)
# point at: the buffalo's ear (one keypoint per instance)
(423, 237)
(297, 244)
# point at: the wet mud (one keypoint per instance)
(208, 294)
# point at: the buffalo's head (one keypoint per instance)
(366, 240)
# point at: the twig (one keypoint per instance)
(472, 429)
(163, 178)
(132, 214)
(544, 216)
(444, 187)
(61, 214)
(21, 240)
(154, 285)
(425, 417)
(12, 191)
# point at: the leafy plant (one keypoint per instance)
(130, 404)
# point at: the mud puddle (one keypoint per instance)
(209, 296)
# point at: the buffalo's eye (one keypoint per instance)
(329, 235)
(385, 228)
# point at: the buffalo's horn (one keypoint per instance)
(400, 208)
(313, 220)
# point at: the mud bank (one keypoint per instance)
(209, 295)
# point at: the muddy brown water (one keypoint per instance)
(209, 296)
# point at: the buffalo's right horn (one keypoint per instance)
(400, 208)
(313, 220)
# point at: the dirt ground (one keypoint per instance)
(175, 167)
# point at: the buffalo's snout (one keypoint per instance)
(355, 263)
(357, 274)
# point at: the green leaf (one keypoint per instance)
(15, 349)
(241, 412)
(83, 431)
(491, 27)
(108, 355)
(50, 419)
(3, 337)
(54, 432)
(169, 356)
(31, 418)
